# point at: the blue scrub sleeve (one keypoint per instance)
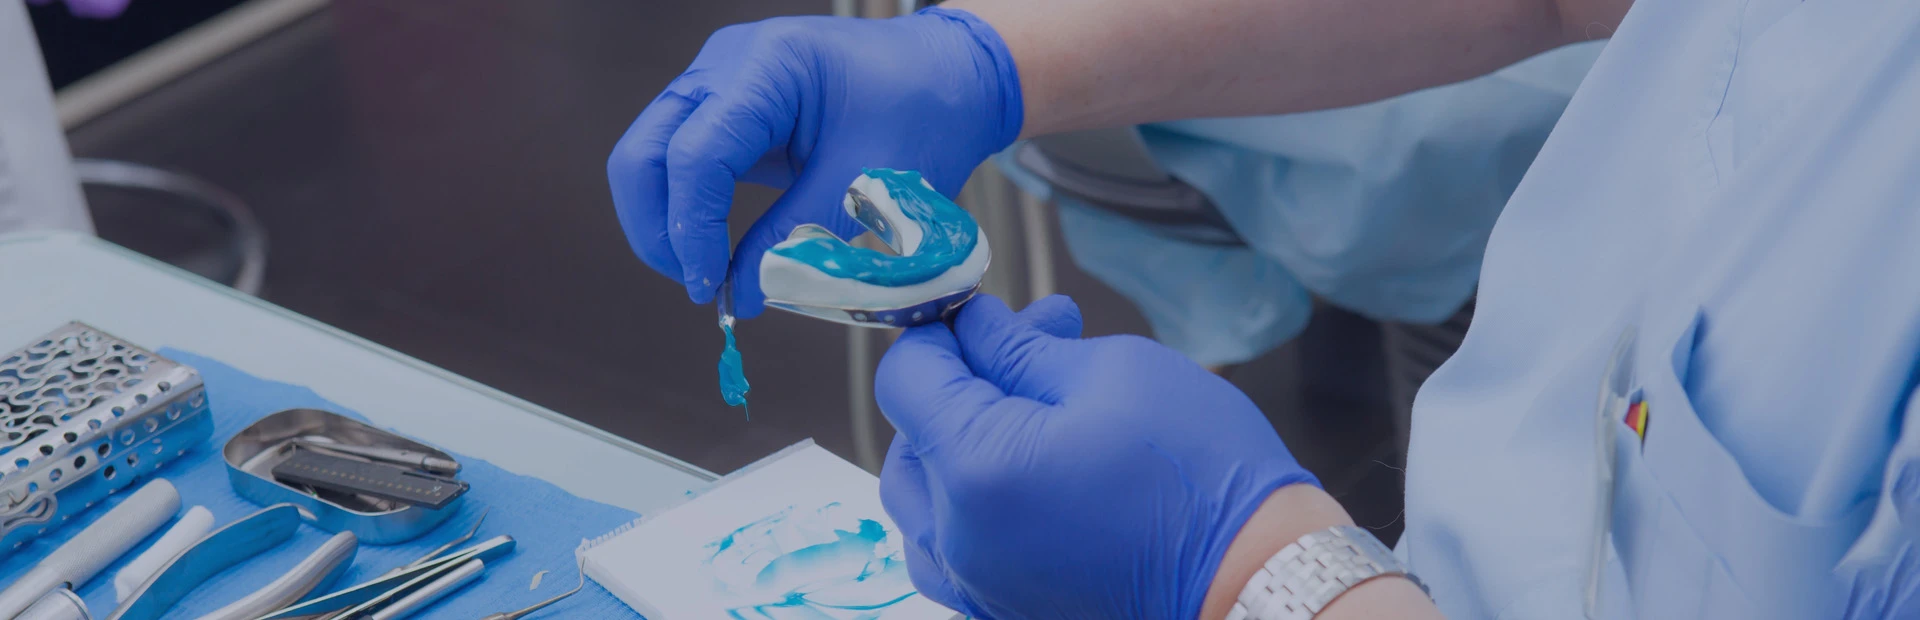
(1218, 305)
(1883, 568)
(1382, 208)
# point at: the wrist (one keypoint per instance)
(1290, 512)
(996, 59)
(1048, 91)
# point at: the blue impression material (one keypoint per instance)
(810, 564)
(733, 377)
(948, 236)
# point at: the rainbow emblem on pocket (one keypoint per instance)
(1636, 418)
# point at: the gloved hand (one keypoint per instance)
(802, 104)
(1039, 475)
(95, 9)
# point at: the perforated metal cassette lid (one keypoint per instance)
(82, 415)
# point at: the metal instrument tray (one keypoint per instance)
(255, 450)
(82, 415)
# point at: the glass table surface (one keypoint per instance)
(52, 278)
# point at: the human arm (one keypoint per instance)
(1099, 63)
(1288, 514)
(803, 103)
(1038, 474)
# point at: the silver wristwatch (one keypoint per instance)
(1306, 575)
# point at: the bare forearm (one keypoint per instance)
(1288, 514)
(1099, 63)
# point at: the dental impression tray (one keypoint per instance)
(940, 255)
(256, 450)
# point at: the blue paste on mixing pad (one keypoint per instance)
(807, 565)
(733, 378)
(949, 234)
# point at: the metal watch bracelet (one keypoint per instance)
(1309, 573)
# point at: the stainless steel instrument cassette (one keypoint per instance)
(82, 415)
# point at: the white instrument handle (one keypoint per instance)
(81, 558)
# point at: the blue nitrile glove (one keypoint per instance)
(802, 104)
(92, 9)
(1039, 475)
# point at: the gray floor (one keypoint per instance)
(432, 175)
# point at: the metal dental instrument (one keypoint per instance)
(229, 546)
(439, 570)
(187, 529)
(581, 559)
(933, 309)
(320, 567)
(733, 375)
(428, 594)
(365, 598)
(450, 544)
(723, 301)
(396, 456)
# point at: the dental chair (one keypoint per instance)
(1111, 169)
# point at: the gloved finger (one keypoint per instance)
(1054, 315)
(926, 390)
(814, 198)
(97, 9)
(935, 584)
(903, 492)
(718, 143)
(637, 175)
(1008, 351)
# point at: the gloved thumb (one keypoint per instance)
(1016, 352)
(929, 388)
(926, 390)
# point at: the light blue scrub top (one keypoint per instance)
(1381, 208)
(1738, 182)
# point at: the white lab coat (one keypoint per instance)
(38, 190)
(1692, 386)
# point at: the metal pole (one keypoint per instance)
(1022, 273)
(863, 412)
(992, 200)
(862, 342)
(1034, 221)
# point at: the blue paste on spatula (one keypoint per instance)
(733, 378)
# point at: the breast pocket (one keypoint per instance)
(1694, 537)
